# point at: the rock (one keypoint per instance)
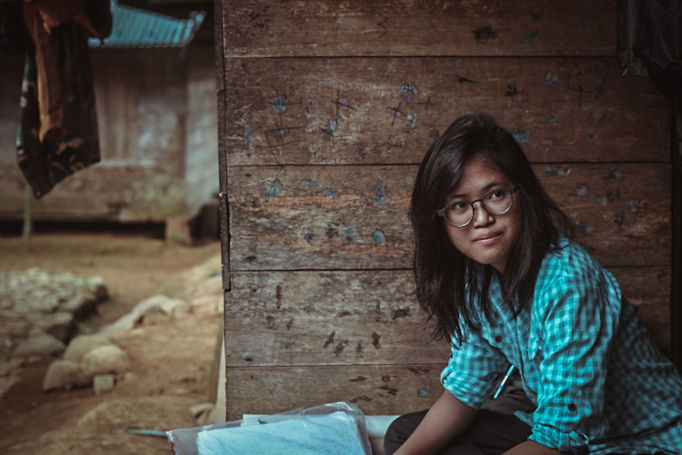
(64, 374)
(105, 359)
(39, 343)
(154, 304)
(103, 383)
(60, 324)
(82, 344)
(35, 298)
(203, 413)
(129, 377)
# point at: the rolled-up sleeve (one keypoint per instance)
(471, 372)
(575, 324)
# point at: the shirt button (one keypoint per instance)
(498, 339)
(572, 407)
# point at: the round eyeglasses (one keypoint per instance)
(459, 213)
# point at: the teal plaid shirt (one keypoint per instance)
(599, 383)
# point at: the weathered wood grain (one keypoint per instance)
(389, 110)
(418, 27)
(327, 318)
(370, 317)
(376, 389)
(648, 288)
(355, 217)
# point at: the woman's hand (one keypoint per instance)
(445, 420)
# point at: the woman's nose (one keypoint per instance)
(481, 215)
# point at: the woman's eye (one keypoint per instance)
(458, 206)
(497, 194)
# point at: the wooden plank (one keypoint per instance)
(418, 27)
(355, 217)
(648, 288)
(325, 318)
(376, 389)
(389, 110)
(370, 317)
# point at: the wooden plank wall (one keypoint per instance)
(327, 109)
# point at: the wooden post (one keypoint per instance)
(28, 215)
(676, 289)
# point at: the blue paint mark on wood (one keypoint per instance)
(247, 131)
(552, 79)
(278, 105)
(602, 200)
(351, 234)
(561, 172)
(555, 119)
(521, 135)
(636, 206)
(310, 183)
(329, 192)
(408, 91)
(614, 174)
(380, 193)
(273, 189)
(411, 119)
(308, 234)
(423, 393)
(582, 192)
(379, 237)
(586, 228)
(530, 39)
(331, 127)
(550, 147)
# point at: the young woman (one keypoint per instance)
(495, 266)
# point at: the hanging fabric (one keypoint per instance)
(650, 42)
(58, 130)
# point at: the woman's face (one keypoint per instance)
(488, 239)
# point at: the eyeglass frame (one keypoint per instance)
(512, 190)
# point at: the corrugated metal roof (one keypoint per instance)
(133, 27)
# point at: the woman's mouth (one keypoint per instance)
(488, 238)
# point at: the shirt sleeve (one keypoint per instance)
(473, 367)
(578, 317)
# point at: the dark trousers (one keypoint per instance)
(491, 433)
(494, 430)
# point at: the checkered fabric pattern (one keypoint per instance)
(599, 383)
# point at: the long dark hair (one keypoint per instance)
(441, 272)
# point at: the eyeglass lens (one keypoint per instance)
(496, 202)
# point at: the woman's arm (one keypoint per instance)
(531, 448)
(447, 418)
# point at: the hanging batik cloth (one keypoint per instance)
(58, 130)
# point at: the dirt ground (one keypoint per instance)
(171, 357)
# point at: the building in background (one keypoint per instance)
(156, 107)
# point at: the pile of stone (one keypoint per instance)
(39, 309)
(95, 360)
(88, 360)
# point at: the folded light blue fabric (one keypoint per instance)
(334, 434)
